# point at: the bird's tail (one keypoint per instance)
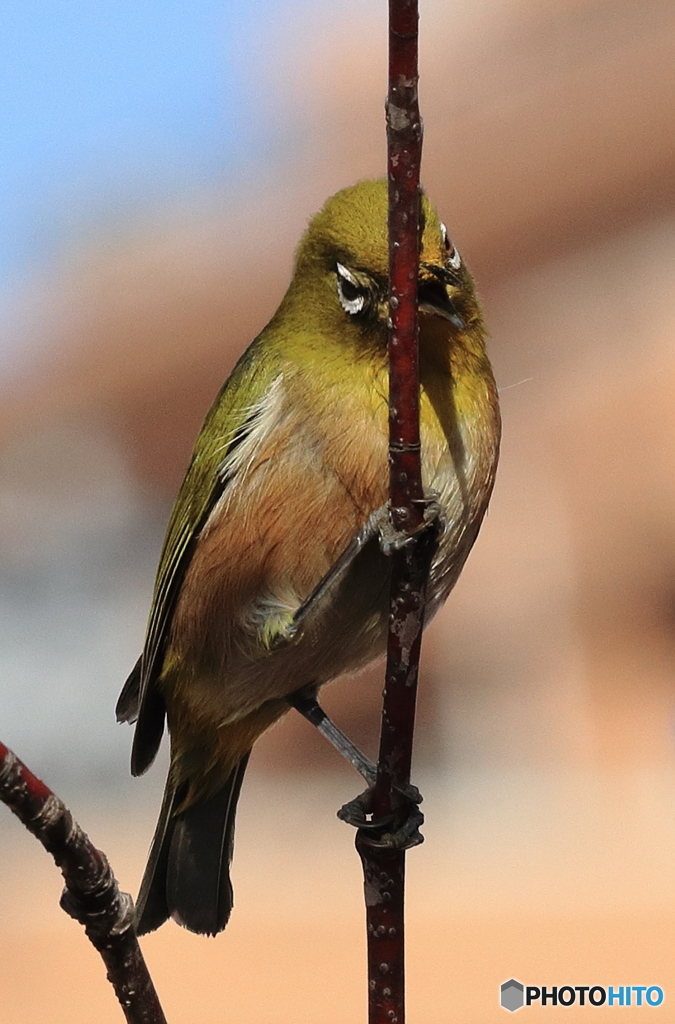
(187, 876)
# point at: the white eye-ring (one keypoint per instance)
(350, 294)
(454, 259)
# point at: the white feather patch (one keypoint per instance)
(262, 418)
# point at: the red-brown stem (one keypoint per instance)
(91, 894)
(404, 152)
(384, 870)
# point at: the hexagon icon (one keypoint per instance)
(512, 997)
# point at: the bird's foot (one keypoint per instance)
(397, 831)
(393, 538)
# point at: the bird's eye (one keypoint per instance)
(454, 259)
(350, 293)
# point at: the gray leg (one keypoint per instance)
(398, 831)
(378, 528)
(306, 703)
(340, 568)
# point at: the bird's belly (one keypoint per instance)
(345, 631)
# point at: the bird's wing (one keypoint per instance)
(232, 417)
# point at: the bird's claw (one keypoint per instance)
(392, 538)
(388, 831)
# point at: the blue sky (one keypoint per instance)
(111, 105)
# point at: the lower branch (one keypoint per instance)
(91, 895)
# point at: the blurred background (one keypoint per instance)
(158, 163)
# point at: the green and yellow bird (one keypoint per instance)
(285, 483)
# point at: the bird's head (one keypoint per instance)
(341, 269)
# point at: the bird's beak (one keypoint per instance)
(433, 298)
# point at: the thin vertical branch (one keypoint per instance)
(406, 498)
(384, 868)
(91, 894)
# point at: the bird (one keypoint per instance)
(274, 576)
